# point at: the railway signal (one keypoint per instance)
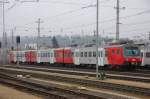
(18, 42)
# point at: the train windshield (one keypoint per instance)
(131, 51)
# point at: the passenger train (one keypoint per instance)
(112, 56)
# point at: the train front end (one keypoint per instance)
(132, 56)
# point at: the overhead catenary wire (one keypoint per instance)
(85, 25)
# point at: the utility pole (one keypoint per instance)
(117, 20)
(4, 46)
(97, 32)
(39, 30)
(145, 48)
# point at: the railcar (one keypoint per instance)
(15, 56)
(11, 57)
(87, 56)
(46, 56)
(126, 55)
(64, 55)
(31, 56)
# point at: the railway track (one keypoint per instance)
(82, 81)
(137, 72)
(54, 91)
(113, 75)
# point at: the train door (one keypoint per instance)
(77, 57)
(38, 56)
(52, 57)
(101, 57)
(23, 56)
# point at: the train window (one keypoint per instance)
(76, 54)
(147, 54)
(141, 54)
(85, 54)
(49, 54)
(46, 54)
(65, 55)
(72, 54)
(101, 54)
(94, 54)
(113, 51)
(55, 54)
(90, 54)
(81, 54)
(106, 53)
(22, 54)
(118, 51)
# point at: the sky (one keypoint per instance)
(76, 17)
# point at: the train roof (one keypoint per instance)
(122, 45)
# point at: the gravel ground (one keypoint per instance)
(11, 93)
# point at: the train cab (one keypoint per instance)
(123, 55)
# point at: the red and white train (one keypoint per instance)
(114, 56)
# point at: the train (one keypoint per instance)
(110, 56)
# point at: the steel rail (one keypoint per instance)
(90, 74)
(45, 89)
(76, 80)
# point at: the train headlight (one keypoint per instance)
(134, 60)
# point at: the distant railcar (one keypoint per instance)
(46, 56)
(11, 57)
(31, 56)
(64, 55)
(87, 56)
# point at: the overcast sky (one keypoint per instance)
(71, 17)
